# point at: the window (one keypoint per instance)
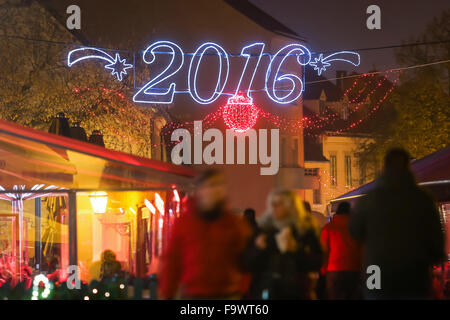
(333, 170)
(348, 171)
(295, 153)
(362, 174)
(322, 107)
(283, 152)
(345, 112)
(311, 171)
(316, 196)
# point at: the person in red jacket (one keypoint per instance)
(342, 257)
(204, 256)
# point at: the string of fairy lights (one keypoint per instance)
(241, 117)
(362, 89)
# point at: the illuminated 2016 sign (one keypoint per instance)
(152, 93)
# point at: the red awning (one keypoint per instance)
(432, 171)
(29, 157)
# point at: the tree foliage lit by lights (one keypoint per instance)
(421, 102)
(35, 83)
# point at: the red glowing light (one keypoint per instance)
(240, 114)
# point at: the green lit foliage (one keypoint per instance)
(421, 102)
(36, 84)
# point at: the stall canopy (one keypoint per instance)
(432, 172)
(30, 157)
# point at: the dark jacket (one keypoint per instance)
(401, 230)
(279, 275)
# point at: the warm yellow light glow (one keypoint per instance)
(132, 210)
(150, 206)
(99, 200)
(159, 202)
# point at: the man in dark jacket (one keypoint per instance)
(203, 259)
(401, 230)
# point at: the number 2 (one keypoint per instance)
(148, 93)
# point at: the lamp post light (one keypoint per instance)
(99, 201)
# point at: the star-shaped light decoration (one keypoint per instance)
(319, 64)
(118, 67)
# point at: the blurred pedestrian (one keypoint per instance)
(203, 259)
(400, 227)
(342, 257)
(250, 217)
(321, 220)
(110, 267)
(286, 250)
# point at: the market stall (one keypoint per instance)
(432, 173)
(64, 202)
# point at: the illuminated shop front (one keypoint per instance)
(64, 202)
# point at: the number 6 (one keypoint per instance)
(274, 69)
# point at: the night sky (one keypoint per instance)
(330, 25)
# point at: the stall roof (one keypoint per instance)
(32, 157)
(432, 171)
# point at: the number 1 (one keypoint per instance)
(250, 66)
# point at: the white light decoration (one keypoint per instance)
(159, 202)
(99, 201)
(47, 287)
(117, 65)
(149, 93)
(150, 206)
(17, 200)
(280, 87)
(176, 195)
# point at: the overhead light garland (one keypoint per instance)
(241, 114)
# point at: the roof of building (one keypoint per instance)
(77, 34)
(313, 150)
(263, 19)
(432, 170)
(32, 157)
(314, 88)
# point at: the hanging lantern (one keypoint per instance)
(240, 114)
(99, 200)
(97, 138)
(78, 132)
(60, 125)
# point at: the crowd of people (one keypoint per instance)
(288, 253)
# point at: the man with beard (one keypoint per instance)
(204, 255)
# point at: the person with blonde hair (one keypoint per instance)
(286, 250)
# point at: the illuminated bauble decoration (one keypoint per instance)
(47, 287)
(240, 114)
